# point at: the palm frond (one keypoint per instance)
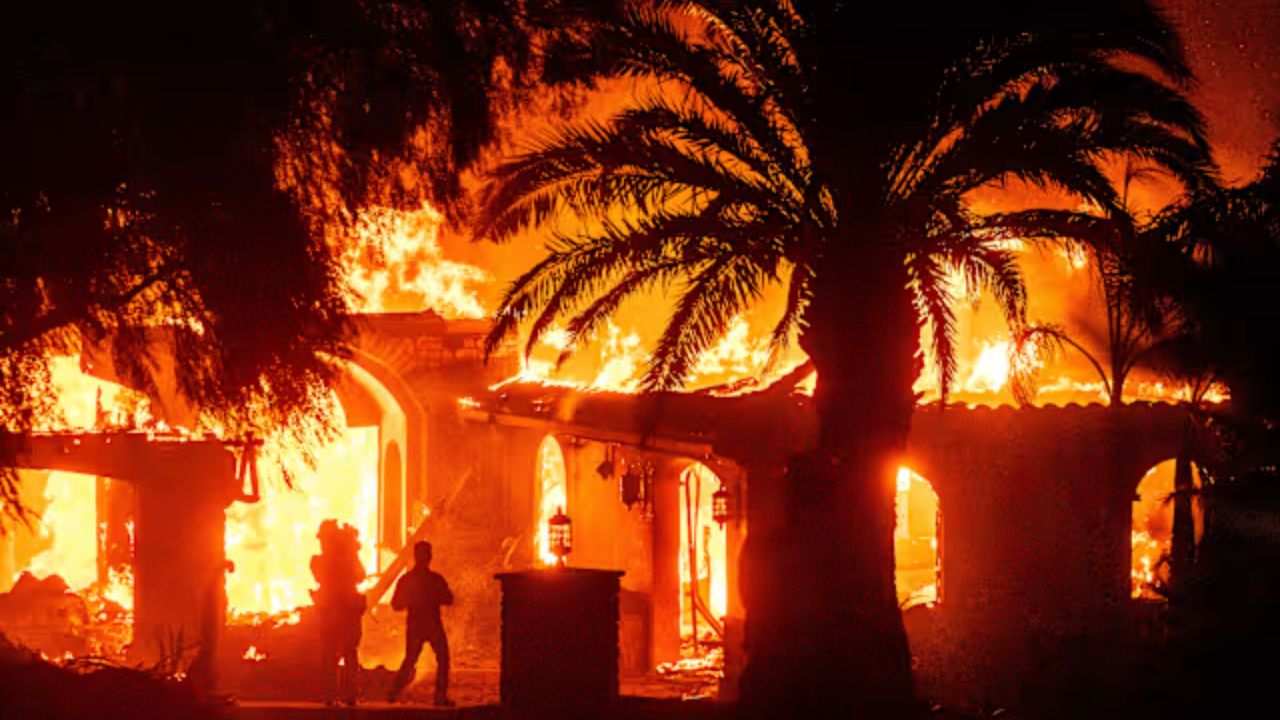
(714, 295)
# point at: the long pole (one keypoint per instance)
(693, 561)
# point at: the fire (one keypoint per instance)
(1152, 530)
(552, 497)
(1147, 552)
(253, 654)
(915, 538)
(271, 542)
(616, 361)
(990, 371)
(69, 524)
(698, 483)
(119, 587)
(394, 261)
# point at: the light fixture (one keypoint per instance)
(560, 535)
(720, 505)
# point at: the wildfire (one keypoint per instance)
(271, 542)
(990, 371)
(1152, 533)
(616, 361)
(394, 261)
(68, 524)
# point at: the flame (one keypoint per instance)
(552, 496)
(253, 654)
(990, 371)
(710, 544)
(1151, 537)
(69, 524)
(271, 542)
(617, 360)
(393, 261)
(1147, 552)
(915, 536)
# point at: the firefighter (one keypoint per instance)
(341, 606)
(422, 591)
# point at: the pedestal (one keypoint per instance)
(559, 641)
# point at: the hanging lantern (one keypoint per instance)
(631, 487)
(560, 535)
(720, 505)
(607, 467)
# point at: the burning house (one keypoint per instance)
(1015, 530)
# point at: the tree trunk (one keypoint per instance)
(825, 633)
(1182, 546)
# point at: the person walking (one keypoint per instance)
(421, 592)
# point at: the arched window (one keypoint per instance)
(1152, 532)
(703, 563)
(552, 495)
(917, 570)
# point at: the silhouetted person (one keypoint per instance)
(422, 591)
(338, 571)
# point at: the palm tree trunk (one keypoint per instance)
(1182, 546)
(837, 646)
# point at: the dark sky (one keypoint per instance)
(1234, 48)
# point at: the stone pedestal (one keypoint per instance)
(559, 641)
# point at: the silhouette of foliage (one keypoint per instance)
(170, 171)
(810, 146)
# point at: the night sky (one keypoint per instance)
(1234, 48)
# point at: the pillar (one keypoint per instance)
(559, 642)
(665, 627)
(180, 561)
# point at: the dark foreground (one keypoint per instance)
(630, 708)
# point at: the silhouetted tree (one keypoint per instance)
(812, 145)
(176, 166)
(1229, 239)
(1225, 273)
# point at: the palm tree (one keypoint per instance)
(803, 144)
(1122, 258)
(1224, 268)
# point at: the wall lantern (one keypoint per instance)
(631, 487)
(607, 467)
(720, 505)
(560, 535)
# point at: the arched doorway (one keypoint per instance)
(916, 537)
(552, 487)
(272, 541)
(368, 404)
(704, 578)
(1151, 536)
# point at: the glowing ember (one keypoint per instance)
(1152, 533)
(253, 654)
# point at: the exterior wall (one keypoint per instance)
(1036, 507)
(1035, 503)
(181, 490)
